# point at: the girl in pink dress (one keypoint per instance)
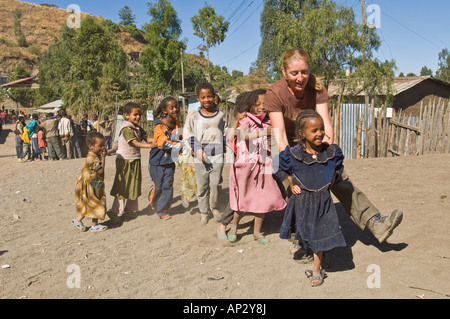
(253, 188)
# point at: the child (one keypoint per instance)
(161, 162)
(20, 124)
(204, 131)
(42, 144)
(128, 180)
(26, 145)
(312, 167)
(90, 196)
(253, 187)
(32, 128)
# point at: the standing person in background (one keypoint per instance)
(42, 144)
(85, 126)
(95, 123)
(76, 149)
(299, 91)
(65, 134)
(52, 136)
(105, 127)
(18, 131)
(3, 116)
(32, 128)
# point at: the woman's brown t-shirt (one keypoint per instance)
(280, 99)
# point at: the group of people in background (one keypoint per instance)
(297, 180)
(56, 136)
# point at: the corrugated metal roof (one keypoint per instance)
(20, 81)
(399, 85)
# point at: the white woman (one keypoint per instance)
(299, 90)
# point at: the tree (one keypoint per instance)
(126, 16)
(443, 73)
(128, 21)
(161, 57)
(275, 16)
(327, 31)
(426, 71)
(54, 67)
(210, 27)
(98, 62)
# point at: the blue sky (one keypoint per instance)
(413, 32)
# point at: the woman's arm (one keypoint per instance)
(322, 109)
(279, 130)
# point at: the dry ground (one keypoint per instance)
(153, 259)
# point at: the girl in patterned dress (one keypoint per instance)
(90, 196)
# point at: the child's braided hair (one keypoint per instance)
(300, 124)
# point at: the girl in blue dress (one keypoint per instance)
(311, 167)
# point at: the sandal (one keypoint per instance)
(165, 217)
(262, 240)
(113, 216)
(220, 236)
(79, 225)
(99, 228)
(318, 279)
(232, 238)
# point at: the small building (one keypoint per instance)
(409, 93)
(50, 107)
(31, 83)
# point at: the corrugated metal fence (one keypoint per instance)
(350, 116)
(384, 133)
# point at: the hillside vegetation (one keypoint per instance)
(40, 25)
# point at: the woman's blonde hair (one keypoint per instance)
(300, 54)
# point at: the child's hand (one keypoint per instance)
(200, 155)
(240, 116)
(295, 189)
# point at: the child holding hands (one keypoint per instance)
(128, 180)
(163, 157)
(312, 167)
(204, 130)
(253, 188)
(90, 196)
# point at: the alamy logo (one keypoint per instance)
(74, 20)
(374, 280)
(374, 19)
(74, 280)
